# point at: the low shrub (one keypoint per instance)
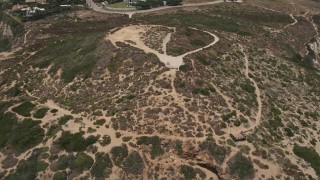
(310, 155)
(241, 167)
(102, 168)
(81, 162)
(119, 153)
(155, 142)
(60, 176)
(64, 119)
(75, 142)
(188, 172)
(40, 113)
(133, 164)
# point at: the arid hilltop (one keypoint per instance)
(225, 90)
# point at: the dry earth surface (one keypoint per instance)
(89, 95)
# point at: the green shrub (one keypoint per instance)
(64, 119)
(105, 140)
(241, 167)
(188, 172)
(126, 138)
(133, 164)
(226, 117)
(27, 169)
(184, 68)
(237, 123)
(14, 91)
(64, 161)
(24, 109)
(7, 123)
(53, 130)
(75, 142)
(54, 110)
(203, 60)
(40, 113)
(60, 176)
(198, 43)
(248, 87)
(5, 44)
(216, 151)
(25, 135)
(81, 162)
(119, 153)
(275, 111)
(289, 132)
(41, 166)
(102, 168)
(310, 155)
(100, 122)
(173, 2)
(179, 147)
(155, 142)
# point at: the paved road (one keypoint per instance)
(95, 7)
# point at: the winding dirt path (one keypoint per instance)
(25, 37)
(257, 91)
(292, 24)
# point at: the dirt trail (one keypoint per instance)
(257, 90)
(166, 41)
(292, 24)
(97, 8)
(25, 37)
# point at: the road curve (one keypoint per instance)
(97, 8)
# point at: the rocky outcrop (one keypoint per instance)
(10, 30)
(313, 56)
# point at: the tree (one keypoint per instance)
(143, 5)
(174, 2)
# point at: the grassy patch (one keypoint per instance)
(75, 55)
(118, 5)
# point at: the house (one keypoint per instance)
(238, 137)
(18, 7)
(36, 1)
(131, 2)
(30, 12)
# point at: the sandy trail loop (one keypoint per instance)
(134, 33)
